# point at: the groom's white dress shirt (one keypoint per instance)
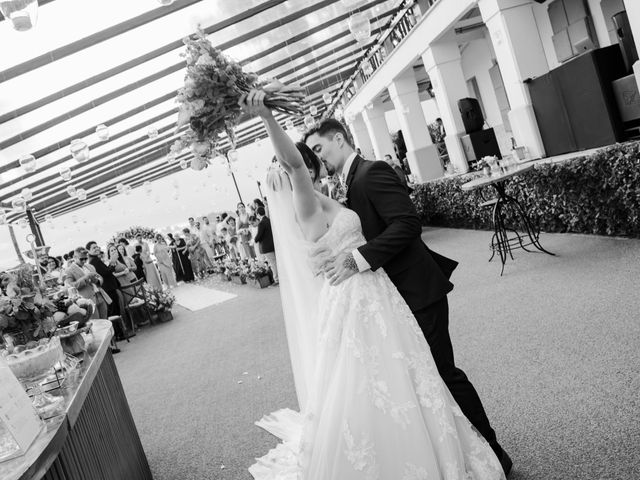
(362, 264)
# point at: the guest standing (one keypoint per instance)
(83, 276)
(183, 255)
(150, 270)
(109, 281)
(165, 267)
(244, 235)
(175, 258)
(264, 239)
(137, 259)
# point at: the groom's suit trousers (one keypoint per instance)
(434, 322)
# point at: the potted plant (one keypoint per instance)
(482, 165)
(236, 272)
(220, 269)
(259, 274)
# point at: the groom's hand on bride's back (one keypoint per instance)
(340, 268)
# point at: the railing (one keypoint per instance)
(396, 30)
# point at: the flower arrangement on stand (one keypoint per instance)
(236, 272)
(160, 302)
(259, 274)
(219, 268)
(208, 102)
(130, 233)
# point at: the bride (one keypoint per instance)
(373, 406)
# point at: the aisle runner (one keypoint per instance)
(195, 297)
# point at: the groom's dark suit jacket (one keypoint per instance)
(392, 229)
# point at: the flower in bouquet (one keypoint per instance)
(157, 299)
(258, 269)
(208, 102)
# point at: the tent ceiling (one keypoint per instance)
(117, 63)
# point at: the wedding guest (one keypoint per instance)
(137, 259)
(83, 276)
(53, 268)
(175, 258)
(196, 252)
(150, 271)
(165, 266)
(264, 239)
(232, 238)
(222, 223)
(244, 235)
(396, 168)
(109, 281)
(124, 255)
(121, 270)
(208, 239)
(145, 245)
(183, 255)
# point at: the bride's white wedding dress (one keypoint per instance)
(377, 408)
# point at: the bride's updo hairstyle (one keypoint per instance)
(277, 178)
(311, 160)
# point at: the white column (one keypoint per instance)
(633, 11)
(443, 63)
(520, 54)
(361, 137)
(378, 130)
(422, 154)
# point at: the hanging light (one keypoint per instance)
(313, 110)
(65, 173)
(48, 218)
(220, 159)
(165, 3)
(152, 132)
(147, 187)
(367, 68)
(26, 193)
(81, 194)
(338, 113)
(3, 217)
(326, 98)
(127, 189)
(19, 204)
(102, 131)
(233, 155)
(22, 13)
(71, 191)
(104, 198)
(184, 164)
(350, 4)
(309, 121)
(27, 162)
(22, 223)
(360, 27)
(289, 124)
(79, 151)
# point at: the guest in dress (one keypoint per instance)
(137, 259)
(53, 269)
(150, 270)
(175, 258)
(165, 267)
(244, 235)
(232, 238)
(196, 252)
(123, 256)
(183, 255)
(109, 281)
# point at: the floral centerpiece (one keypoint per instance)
(160, 302)
(132, 232)
(259, 274)
(236, 271)
(208, 102)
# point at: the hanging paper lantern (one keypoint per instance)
(313, 110)
(147, 187)
(71, 191)
(48, 218)
(102, 131)
(3, 217)
(26, 193)
(65, 173)
(79, 151)
(27, 162)
(19, 204)
(165, 3)
(152, 132)
(233, 155)
(104, 198)
(309, 121)
(301, 129)
(367, 68)
(289, 124)
(338, 113)
(220, 159)
(360, 27)
(22, 13)
(184, 164)
(326, 98)
(81, 194)
(22, 223)
(127, 189)
(120, 187)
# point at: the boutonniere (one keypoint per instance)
(339, 193)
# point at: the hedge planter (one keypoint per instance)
(165, 315)
(595, 194)
(238, 279)
(261, 282)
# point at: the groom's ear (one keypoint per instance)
(339, 137)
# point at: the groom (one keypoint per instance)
(392, 229)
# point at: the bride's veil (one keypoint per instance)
(299, 287)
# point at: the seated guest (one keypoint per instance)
(53, 268)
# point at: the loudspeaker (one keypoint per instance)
(625, 39)
(471, 114)
(480, 144)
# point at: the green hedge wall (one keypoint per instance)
(597, 194)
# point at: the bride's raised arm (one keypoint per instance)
(287, 154)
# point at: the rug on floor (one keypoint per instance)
(195, 297)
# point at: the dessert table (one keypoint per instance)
(96, 438)
(502, 240)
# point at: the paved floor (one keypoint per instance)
(552, 347)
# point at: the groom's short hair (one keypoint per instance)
(328, 126)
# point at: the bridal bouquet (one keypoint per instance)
(208, 102)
